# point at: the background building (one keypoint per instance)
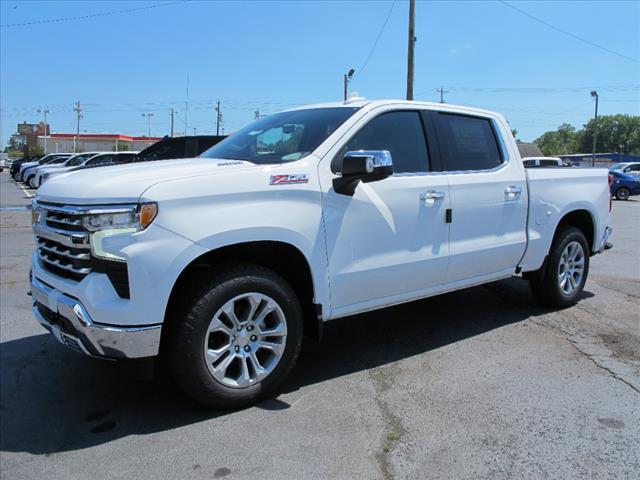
(91, 142)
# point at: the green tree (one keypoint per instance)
(614, 134)
(562, 141)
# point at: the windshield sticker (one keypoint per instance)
(289, 179)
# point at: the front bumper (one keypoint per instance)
(68, 320)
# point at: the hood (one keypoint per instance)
(125, 183)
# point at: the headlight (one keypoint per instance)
(116, 221)
(134, 218)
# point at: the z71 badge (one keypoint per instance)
(289, 179)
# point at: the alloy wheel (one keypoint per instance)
(245, 340)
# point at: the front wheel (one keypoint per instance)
(237, 337)
(566, 270)
(623, 193)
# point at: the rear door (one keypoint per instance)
(488, 197)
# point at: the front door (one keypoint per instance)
(389, 241)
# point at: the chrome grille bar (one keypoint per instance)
(64, 266)
(42, 244)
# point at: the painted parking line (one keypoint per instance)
(26, 192)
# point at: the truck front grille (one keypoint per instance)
(62, 260)
(64, 247)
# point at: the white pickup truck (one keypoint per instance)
(220, 264)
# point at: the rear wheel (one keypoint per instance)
(623, 193)
(566, 270)
(237, 337)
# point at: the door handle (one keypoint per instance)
(512, 191)
(432, 195)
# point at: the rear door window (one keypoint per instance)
(191, 148)
(467, 142)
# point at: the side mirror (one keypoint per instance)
(361, 166)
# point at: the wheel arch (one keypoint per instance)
(283, 258)
(583, 220)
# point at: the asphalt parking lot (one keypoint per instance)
(481, 383)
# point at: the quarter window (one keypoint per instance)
(467, 143)
(401, 134)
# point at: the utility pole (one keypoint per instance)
(594, 94)
(347, 77)
(442, 91)
(148, 115)
(218, 117)
(44, 111)
(195, 131)
(173, 112)
(78, 110)
(410, 48)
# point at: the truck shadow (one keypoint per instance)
(52, 400)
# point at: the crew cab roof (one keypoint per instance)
(360, 103)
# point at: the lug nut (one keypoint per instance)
(249, 328)
(246, 348)
(239, 329)
(253, 338)
(236, 348)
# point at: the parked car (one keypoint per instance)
(27, 171)
(631, 168)
(16, 164)
(179, 147)
(221, 263)
(107, 159)
(44, 171)
(97, 160)
(624, 185)
(543, 162)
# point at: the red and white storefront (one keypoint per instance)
(94, 142)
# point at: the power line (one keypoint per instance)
(375, 44)
(607, 88)
(92, 15)
(576, 37)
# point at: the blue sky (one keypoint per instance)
(268, 55)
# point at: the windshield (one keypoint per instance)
(78, 159)
(281, 137)
(58, 160)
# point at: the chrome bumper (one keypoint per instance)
(68, 320)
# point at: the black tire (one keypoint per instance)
(623, 193)
(547, 290)
(185, 345)
(28, 181)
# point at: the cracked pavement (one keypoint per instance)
(481, 383)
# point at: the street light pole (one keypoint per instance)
(347, 77)
(44, 111)
(594, 94)
(148, 115)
